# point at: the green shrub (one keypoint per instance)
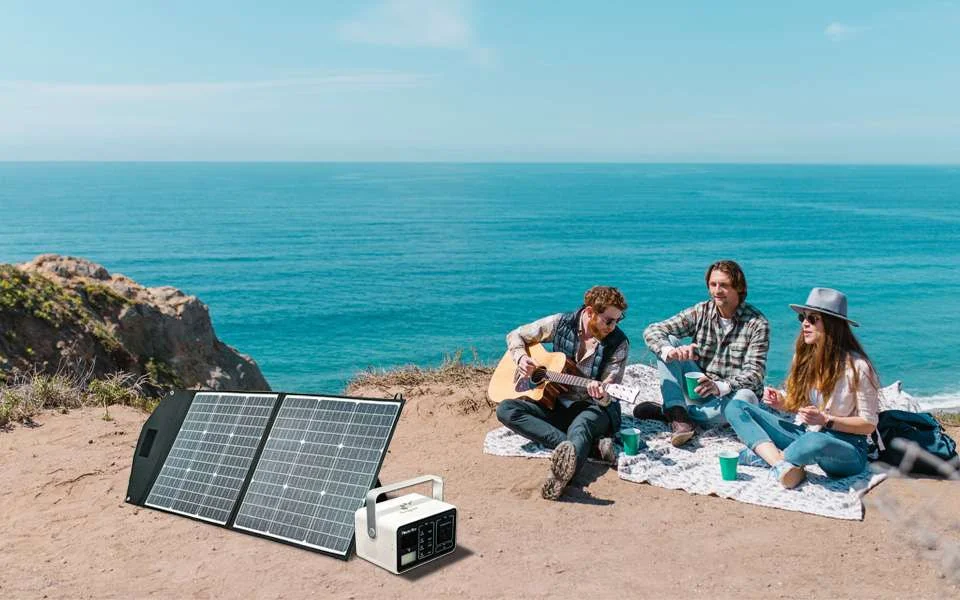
(54, 391)
(105, 335)
(35, 295)
(17, 405)
(117, 388)
(25, 394)
(162, 375)
(104, 297)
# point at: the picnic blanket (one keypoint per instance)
(695, 468)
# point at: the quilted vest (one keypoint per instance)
(566, 339)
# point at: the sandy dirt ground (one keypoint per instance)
(66, 532)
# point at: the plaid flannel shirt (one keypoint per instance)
(738, 357)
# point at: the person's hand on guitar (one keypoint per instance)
(596, 391)
(526, 365)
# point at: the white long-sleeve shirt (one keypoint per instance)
(843, 402)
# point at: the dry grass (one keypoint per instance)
(948, 419)
(452, 371)
(25, 394)
(454, 374)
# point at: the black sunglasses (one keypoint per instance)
(608, 321)
(811, 318)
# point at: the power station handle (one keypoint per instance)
(372, 497)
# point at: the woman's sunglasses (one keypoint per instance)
(811, 318)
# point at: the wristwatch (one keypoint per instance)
(828, 424)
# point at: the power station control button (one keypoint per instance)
(426, 544)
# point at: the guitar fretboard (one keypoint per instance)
(568, 379)
(617, 391)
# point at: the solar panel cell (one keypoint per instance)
(209, 460)
(320, 459)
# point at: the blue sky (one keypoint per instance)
(423, 80)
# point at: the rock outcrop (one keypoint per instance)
(58, 311)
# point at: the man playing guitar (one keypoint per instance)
(579, 417)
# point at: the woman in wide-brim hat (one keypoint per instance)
(833, 390)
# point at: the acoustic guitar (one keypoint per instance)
(554, 373)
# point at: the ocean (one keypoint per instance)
(320, 270)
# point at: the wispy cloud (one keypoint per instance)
(416, 24)
(839, 32)
(119, 91)
(86, 117)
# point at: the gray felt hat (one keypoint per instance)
(827, 301)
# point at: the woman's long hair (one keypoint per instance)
(821, 365)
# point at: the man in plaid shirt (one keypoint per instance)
(729, 342)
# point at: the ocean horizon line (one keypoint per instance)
(488, 162)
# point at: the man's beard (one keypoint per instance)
(593, 327)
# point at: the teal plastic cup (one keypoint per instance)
(728, 464)
(693, 380)
(631, 441)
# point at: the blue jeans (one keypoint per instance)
(838, 454)
(581, 423)
(704, 411)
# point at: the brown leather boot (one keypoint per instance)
(681, 427)
(649, 410)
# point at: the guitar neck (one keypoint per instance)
(616, 390)
(568, 379)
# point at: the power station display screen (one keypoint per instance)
(426, 539)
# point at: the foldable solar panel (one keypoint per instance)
(320, 460)
(211, 455)
(291, 467)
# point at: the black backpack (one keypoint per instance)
(921, 428)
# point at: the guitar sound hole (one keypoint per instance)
(539, 376)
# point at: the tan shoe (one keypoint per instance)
(681, 427)
(681, 433)
(563, 465)
(789, 474)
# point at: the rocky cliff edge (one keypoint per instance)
(64, 312)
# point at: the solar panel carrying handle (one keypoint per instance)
(372, 497)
